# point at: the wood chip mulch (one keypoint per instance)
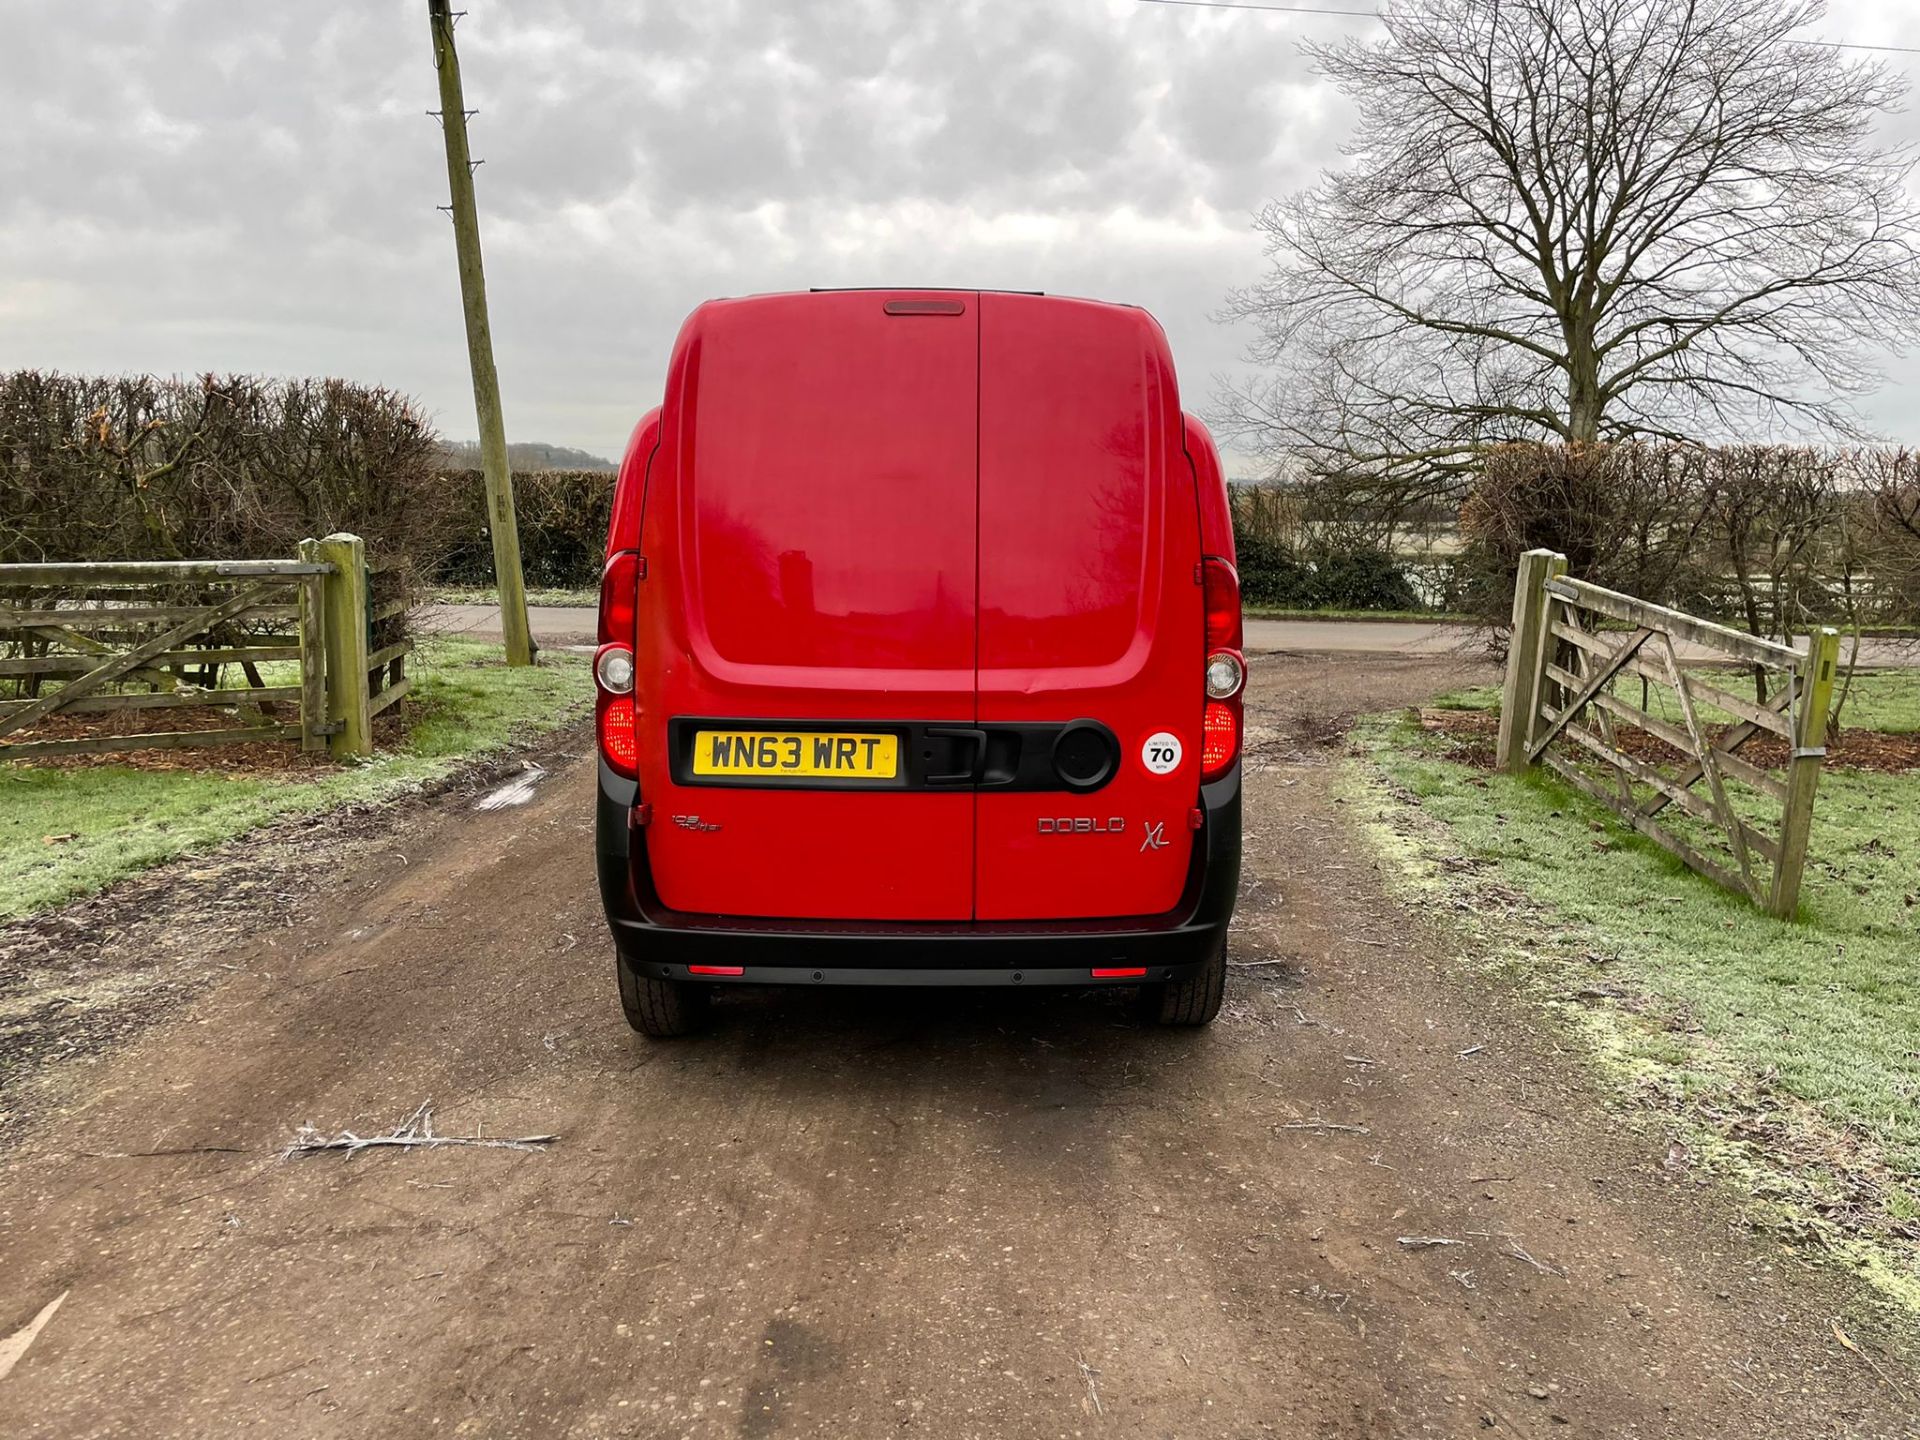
(259, 758)
(1473, 733)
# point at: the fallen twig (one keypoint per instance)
(414, 1133)
(1318, 1124)
(1471, 1050)
(1087, 1372)
(1848, 1342)
(1427, 1242)
(1517, 1251)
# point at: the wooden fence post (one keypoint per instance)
(313, 653)
(1528, 647)
(1813, 697)
(343, 620)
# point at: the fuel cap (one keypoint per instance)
(1085, 754)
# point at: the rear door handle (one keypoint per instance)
(976, 738)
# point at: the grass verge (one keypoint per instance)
(1784, 1054)
(1281, 612)
(67, 832)
(538, 595)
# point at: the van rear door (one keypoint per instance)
(810, 540)
(1090, 605)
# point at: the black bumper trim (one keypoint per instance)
(919, 975)
(649, 936)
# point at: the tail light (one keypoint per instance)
(1226, 669)
(630, 485)
(623, 526)
(1219, 736)
(1223, 603)
(618, 722)
(616, 716)
(619, 597)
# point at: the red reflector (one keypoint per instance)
(619, 742)
(1121, 972)
(716, 969)
(1219, 736)
(1195, 819)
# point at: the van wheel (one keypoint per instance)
(1193, 1001)
(660, 1008)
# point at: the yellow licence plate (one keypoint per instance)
(838, 755)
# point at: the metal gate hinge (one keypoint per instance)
(1809, 752)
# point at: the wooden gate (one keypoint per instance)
(107, 639)
(1721, 780)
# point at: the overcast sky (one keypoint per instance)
(217, 185)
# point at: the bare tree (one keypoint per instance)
(1582, 220)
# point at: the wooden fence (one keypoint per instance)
(109, 639)
(1722, 780)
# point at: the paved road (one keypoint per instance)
(556, 625)
(989, 1217)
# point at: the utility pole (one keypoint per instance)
(486, 381)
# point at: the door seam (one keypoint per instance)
(979, 401)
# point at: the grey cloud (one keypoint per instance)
(207, 185)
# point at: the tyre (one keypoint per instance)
(1192, 1001)
(661, 1009)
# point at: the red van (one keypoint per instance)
(920, 658)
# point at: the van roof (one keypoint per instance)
(774, 300)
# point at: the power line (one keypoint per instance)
(1375, 15)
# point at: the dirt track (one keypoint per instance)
(855, 1215)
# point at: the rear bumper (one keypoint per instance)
(665, 943)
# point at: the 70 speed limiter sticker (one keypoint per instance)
(1161, 753)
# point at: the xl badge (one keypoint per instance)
(1156, 835)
